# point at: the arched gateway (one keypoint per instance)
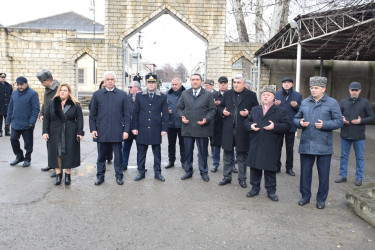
(204, 18)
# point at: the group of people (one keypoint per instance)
(250, 134)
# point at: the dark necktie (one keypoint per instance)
(151, 95)
(195, 94)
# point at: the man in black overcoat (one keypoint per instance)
(196, 108)
(5, 93)
(218, 125)
(149, 124)
(109, 124)
(235, 107)
(267, 123)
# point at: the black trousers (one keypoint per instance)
(173, 133)
(141, 160)
(103, 150)
(289, 145)
(3, 117)
(269, 178)
(28, 139)
(202, 144)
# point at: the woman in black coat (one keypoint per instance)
(267, 123)
(63, 131)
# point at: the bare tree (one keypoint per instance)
(280, 16)
(181, 71)
(240, 21)
(259, 22)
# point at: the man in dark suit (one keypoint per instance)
(134, 88)
(235, 107)
(174, 123)
(197, 110)
(109, 124)
(5, 93)
(149, 124)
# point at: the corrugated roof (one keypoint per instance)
(343, 34)
(67, 21)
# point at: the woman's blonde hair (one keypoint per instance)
(70, 93)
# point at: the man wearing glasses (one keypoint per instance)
(149, 124)
(134, 88)
(5, 94)
(22, 114)
(356, 113)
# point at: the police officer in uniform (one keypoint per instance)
(149, 124)
(5, 92)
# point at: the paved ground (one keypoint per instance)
(191, 214)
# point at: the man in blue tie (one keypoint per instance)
(197, 110)
(149, 124)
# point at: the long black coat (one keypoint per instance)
(265, 144)
(203, 106)
(218, 121)
(63, 129)
(150, 117)
(110, 114)
(5, 94)
(248, 101)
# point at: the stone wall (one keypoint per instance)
(25, 52)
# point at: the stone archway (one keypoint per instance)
(204, 18)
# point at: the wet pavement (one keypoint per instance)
(177, 214)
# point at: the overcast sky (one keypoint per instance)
(164, 41)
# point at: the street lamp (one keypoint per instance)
(294, 25)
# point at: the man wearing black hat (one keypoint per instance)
(218, 125)
(318, 116)
(5, 94)
(357, 112)
(46, 79)
(235, 108)
(22, 114)
(290, 100)
(149, 124)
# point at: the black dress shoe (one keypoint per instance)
(119, 181)
(225, 181)
(252, 193)
(170, 165)
(159, 177)
(125, 168)
(290, 172)
(139, 177)
(214, 169)
(26, 164)
(1, 133)
(46, 168)
(58, 179)
(273, 197)
(7, 134)
(53, 174)
(303, 201)
(234, 170)
(16, 161)
(99, 182)
(243, 184)
(67, 179)
(205, 177)
(109, 162)
(320, 205)
(186, 176)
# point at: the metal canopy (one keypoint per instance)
(343, 34)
